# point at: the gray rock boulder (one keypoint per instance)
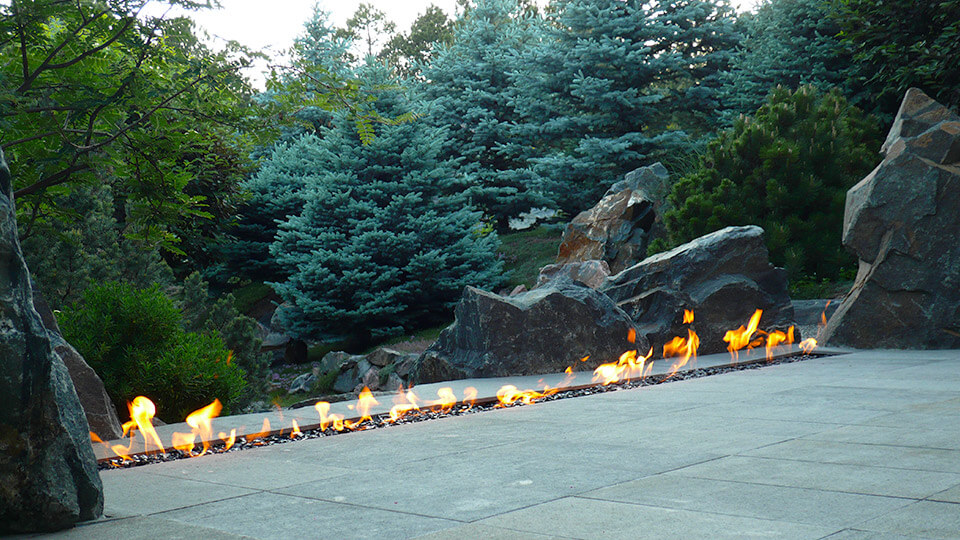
(591, 273)
(723, 277)
(48, 473)
(303, 383)
(384, 356)
(902, 222)
(541, 331)
(335, 360)
(619, 227)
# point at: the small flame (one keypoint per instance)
(741, 337)
(264, 431)
(403, 403)
(509, 394)
(447, 400)
(142, 411)
(469, 396)
(365, 402)
(685, 348)
(777, 337)
(687, 316)
(627, 367)
(228, 441)
(631, 336)
(200, 421)
(808, 345)
(296, 430)
(334, 420)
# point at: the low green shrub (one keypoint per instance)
(133, 339)
(787, 169)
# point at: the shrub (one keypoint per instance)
(788, 170)
(133, 339)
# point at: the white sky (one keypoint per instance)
(272, 25)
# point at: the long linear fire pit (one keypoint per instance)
(370, 411)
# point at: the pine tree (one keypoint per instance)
(320, 58)
(386, 240)
(787, 169)
(614, 83)
(788, 43)
(470, 89)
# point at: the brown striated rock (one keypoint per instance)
(590, 273)
(541, 331)
(48, 473)
(619, 227)
(723, 277)
(901, 222)
(97, 406)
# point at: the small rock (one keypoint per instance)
(274, 340)
(302, 383)
(335, 360)
(406, 364)
(371, 379)
(383, 357)
(519, 289)
(346, 382)
(394, 383)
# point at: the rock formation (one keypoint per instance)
(619, 227)
(590, 273)
(48, 473)
(723, 277)
(902, 222)
(541, 331)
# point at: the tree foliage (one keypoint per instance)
(789, 43)
(787, 169)
(408, 52)
(899, 44)
(618, 84)
(97, 91)
(132, 338)
(385, 238)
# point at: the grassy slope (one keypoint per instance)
(526, 252)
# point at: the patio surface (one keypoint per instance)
(858, 446)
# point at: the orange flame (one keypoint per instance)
(228, 441)
(296, 430)
(808, 345)
(447, 400)
(685, 348)
(264, 431)
(509, 394)
(687, 316)
(627, 367)
(403, 403)
(777, 337)
(631, 337)
(200, 421)
(365, 402)
(336, 420)
(469, 396)
(741, 337)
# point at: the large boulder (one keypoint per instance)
(97, 406)
(48, 473)
(723, 277)
(541, 331)
(619, 227)
(901, 222)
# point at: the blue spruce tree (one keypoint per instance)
(386, 240)
(618, 84)
(470, 89)
(789, 43)
(319, 60)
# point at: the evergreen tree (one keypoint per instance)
(320, 61)
(614, 83)
(407, 53)
(470, 90)
(898, 44)
(787, 169)
(385, 241)
(788, 43)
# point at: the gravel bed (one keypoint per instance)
(460, 409)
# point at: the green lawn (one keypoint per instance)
(526, 252)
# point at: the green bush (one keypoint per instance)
(788, 170)
(133, 339)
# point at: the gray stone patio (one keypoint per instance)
(857, 446)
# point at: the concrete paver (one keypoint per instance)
(863, 446)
